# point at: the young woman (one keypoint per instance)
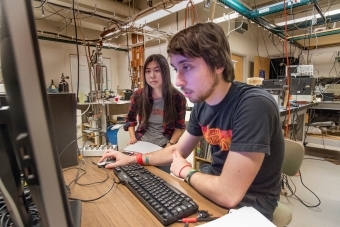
(158, 109)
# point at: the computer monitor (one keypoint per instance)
(27, 145)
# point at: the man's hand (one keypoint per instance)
(179, 166)
(121, 159)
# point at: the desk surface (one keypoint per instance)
(120, 207)
(303, 107)
(331, 105)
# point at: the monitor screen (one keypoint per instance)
(27, 151)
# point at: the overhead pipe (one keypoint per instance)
(279, 7)
(313, 35)
(307, 23)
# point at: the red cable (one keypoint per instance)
(287, 65)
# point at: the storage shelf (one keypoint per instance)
(203, 159)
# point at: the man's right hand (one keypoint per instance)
(121, 159)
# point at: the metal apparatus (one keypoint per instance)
(97, 88)
(99, 75)
(63, 85)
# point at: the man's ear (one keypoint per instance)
(219, 70)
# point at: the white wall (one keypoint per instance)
(56, 60)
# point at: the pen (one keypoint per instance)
(193, 220)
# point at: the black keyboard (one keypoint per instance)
(166, 202)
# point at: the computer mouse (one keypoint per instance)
(105, 162)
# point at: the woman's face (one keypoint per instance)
(153, 75)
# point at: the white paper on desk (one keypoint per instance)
(243, 217)
(116, 126)
(142, 147)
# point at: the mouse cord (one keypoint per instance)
(91, 200)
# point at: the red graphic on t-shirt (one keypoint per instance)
(157, 112)
(215, 136)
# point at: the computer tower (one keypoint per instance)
(63, 110)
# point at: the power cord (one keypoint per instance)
(294, 194)
(91, 200)
(84, 172)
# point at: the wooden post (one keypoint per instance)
(137, 62)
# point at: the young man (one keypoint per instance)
(239, 121)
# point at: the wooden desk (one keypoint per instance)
(120, 207)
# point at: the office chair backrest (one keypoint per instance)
(294, 152)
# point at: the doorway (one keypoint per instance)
(238, 67)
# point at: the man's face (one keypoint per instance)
(194, 77)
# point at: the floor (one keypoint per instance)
(323, 179)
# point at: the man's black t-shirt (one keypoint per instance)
(246, 120)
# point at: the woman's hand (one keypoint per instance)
(132, 141)
(121, 159)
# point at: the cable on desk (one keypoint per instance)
(96, 182)
(79, 176)
(91, 200)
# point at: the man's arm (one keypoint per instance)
(229, 188)
(184, 146)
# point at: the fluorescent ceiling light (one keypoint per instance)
(182, 5)
(152, 17)
(162, 13)
(109, 33)
(301, 19)
(226, 17)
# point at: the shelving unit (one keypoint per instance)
(202, 154)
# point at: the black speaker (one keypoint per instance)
(63, 110)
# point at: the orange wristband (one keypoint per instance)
(179, 174)
(139, 159)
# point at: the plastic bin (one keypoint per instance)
(112, 135)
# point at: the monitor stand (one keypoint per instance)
(75, 206)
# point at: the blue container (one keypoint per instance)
(112, 135)
(262, 74)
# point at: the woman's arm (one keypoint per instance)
(175, 136)
(131, 117)
(132, 133)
